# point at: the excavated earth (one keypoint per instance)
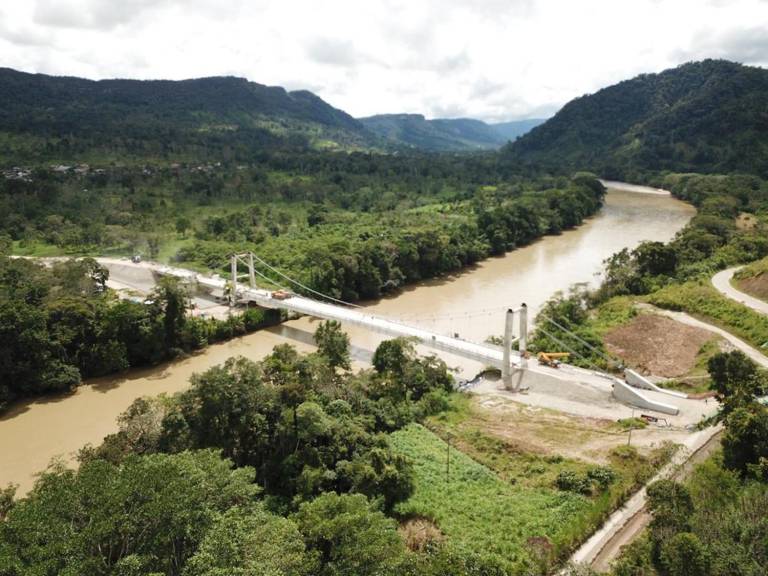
(657, 345)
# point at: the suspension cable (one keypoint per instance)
(571, 350)
(305, 287)
(577, 337)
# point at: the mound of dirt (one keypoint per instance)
(756, 286)
(657, 345)
(420, 533)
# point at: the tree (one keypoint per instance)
(685, 555)
(6, 244)
(745, 441)
(182, 225)
(172, 301)
(670, 504)
(229, 408)
(147, 514)
(249, 541)
(392, 356)
(153, 246)
(316, 214)
(350, 536)
(735, 379)
(379, 473)
(6, 500)
(655, 258)
(333, 344)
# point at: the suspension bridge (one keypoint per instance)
(242, 287)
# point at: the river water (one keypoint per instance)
(471, 304)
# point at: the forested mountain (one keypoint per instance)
(516, 128)
(52, 118)
(66, 117)
(441, 134)
(709, 116)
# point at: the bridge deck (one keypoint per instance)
(485, 353)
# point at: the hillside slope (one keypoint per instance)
(415, 131)
(73, 115)
(709, 116)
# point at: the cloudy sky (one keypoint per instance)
(489, 59)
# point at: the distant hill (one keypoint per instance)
(516, 128)
(415, 131)
(57, 118)
(709, 116)
(71, 115)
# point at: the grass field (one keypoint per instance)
(501, 496)
(476, 509)
(702, 300)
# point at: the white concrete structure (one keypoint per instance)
(639, 381)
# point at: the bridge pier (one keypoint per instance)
(233, 290)
(506, 363)
(523, 344)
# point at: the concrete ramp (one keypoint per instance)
(626, 393)
(640, 381)
(141, 278)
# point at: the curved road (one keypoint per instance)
(722, 281)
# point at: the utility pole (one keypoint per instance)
(631, 426)
(448, 460)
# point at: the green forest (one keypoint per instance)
(350, 226)
(706, 117)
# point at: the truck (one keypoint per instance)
(281, 295)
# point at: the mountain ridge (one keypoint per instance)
(707, 116)
(445, 134)
(66, 117)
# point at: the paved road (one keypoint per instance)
(626, 523)
(722, 281)
(639, 518)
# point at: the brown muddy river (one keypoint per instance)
(471, 304)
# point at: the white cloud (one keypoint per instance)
(488, 59)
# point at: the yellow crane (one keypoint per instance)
(552, 359)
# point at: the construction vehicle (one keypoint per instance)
(552, 359)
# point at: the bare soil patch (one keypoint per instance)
(539, 431)
(746, 221)
(756, 286)
(658, 345)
